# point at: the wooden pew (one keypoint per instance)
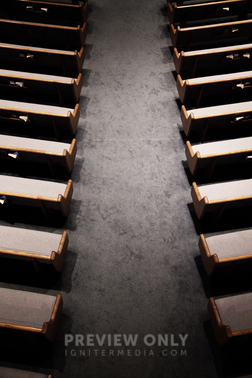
(46, 195)
(220, 87)
(64, 91)
(28, 150)
(181, 2)
(202, 119)
(40, 60)
(30, 312)
(220, 196)
(231, 317)
(214, 35)
(208, 11)
(35, 246)
(6, 372)
(213, 61)
(24, 113)
(225, 249)
(42, 12)
(43, 35)
(208, 155)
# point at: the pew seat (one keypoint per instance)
(41, 60)
(30, 312)
(213, 35)
(226, 87)
(46, 195)
(202, 119)
(37, 87)
(52, 12)
(6, 372)
(219, 60)
(28, 150)
(207, 155)
(24, 113)
(231, 316)
(37, 246)
(43, 35)
(220, 196)
(228, 248)
(208, 11)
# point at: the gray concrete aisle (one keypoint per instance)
(129, 223)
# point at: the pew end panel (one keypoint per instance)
(187, 121)
(76, 87)
(58, 257)
(171, 11)
(65, 200)
(200, 204)
(79, 59)
(73, 119)
(210, 261)
(192, 159)
(182, 88)
(84, 10)
(178, 60)
(70, 156)
(222, 332)
(50, 328)
(174, 34)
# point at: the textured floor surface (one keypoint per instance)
(132, 261)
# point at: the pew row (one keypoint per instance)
(35, 246)
(235, 85)
(43, 35)
(213, 35)
(40, 60)
(6, 372)
(52, 12)
(225, 249)
(231, 317)
(27, 150)
(23, 113)
(208, 11)
(39, 88)
(46, 195)
(202, 119)
(30, 312)
(182, 2)
(208, 155)
(213, 61)
(220, 196)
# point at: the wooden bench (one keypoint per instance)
(40, 88)
(40, 115)
(27, 150)
(40, 60)
(229, 248)
(30, 312)
(220, 196)
(36, 246)
(212, 35)
(208, 11)
(43, 35)
(6, 372)
(202, 119)
(235, 85)
(51, 12)
(213, 61)
(231, 317)
(46, 195)
(208, 155)
(181, 2)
